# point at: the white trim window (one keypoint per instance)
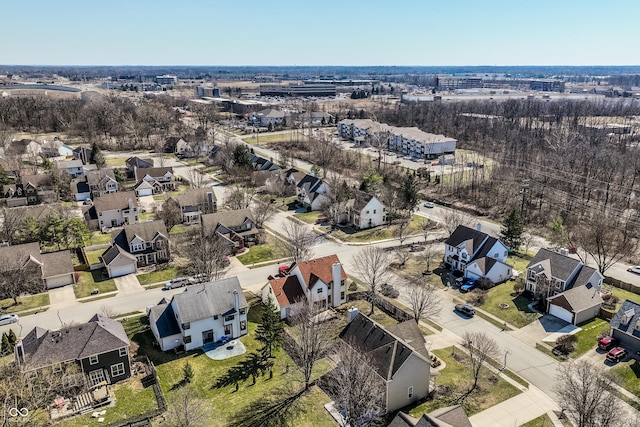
(410, 392)
(93, 360)
(117, 370)
(122, 352)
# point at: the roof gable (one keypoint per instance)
(554, 264)
(471, 238)
(199, 302)
(319, 268)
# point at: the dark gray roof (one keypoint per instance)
(583, 277)
(386, 351)
(195, 197)
(486, 247)
(114, 201)
(226, 218)
(578, 298)
(152, 172)
(409, 332)
(56, 263)
(112, 253)
(463, 234)
(99, 335)
(630, 310)
(451, 416)
(138, 162)
(97, 177)
(214, 298)
(485, 264)
(164, 318)
(561, 265)
(145, 230)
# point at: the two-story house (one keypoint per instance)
(112, 210)
(83, 153)
(365, 211)
(200, 315)
(477, 255)
(101, 181)
(311, 192)
(625, 326)
(99, 347)
(267, 117)
(29, 190)
(133, 163)
(72, 167)
(236, 226)
(321, 280)
(136, 245)
(195, 203)
(571, 289)
(52, 270)
(398, 356)
(152, 181)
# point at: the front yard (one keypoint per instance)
(162, 275)
(381, 232)
(455, 379)
(90, 280)
(516, 312)
(587, 336)
(309, 217)
(268, 251)
(627, 375)
(27, 302)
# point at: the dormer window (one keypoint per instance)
(638, 324)
(626, 316)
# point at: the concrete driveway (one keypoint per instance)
(62, 297)
(147, 203)
(128, 284)
(547, 328)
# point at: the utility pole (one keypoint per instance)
(524, 189)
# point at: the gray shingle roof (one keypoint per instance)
(53, 264)
(578, 298)
(561, 266)
(114, 201)
(152, 172)
(100, 335)
(632, 311)
(97, 177)
(145, 230)
(195, 197)
(204, 301)
(466, 234)
(451, 416)
(226, 218)
(163, 317)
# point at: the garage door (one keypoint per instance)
(122, 270)
(58, 281)
(561, 313)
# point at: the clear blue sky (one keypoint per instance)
(324, 32)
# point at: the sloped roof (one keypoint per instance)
(632, 311)
(583, 277)
(153, 172)
(113, 201)
(451, 416)
(39, 180)
(147, 231)
(138, 162)
(360, 200)
(19, 252)
(195, 197)
(227, 218)
(578, 298)
(386, 351)
(164, 318)
(98, 176)
(56, 263)
(67, 164)
(471, 237)
(113, 252)
(204, 301)
(287, 290)
(557, 265)
(99, 335)
(409, 332)
(319, 268)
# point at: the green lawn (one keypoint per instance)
(587, 336)
(89, 280)
(542, 421)
(27, 302)
(456, 375)
(97, 238)
(627, 375)
(158, 276)
(622, 295)
(225, 404)
(93, 257)
(115, 161)
(309, 217)
(517, 312)
(131, 399)
(278, 137)
(518, 263)
(381, 232)
(270, 250)
(179, 228)
(147, 216)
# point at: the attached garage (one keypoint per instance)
(577, 305)
(122, 270)
(118, 262)
(560, 313)
(58, 281)
(57, 269)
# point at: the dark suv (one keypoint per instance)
(465, 309)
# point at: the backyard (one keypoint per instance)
(90, 280)
(455, 379)
(381, 232)
(268, 251)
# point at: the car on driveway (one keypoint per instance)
(470, 285)
(616, 354)
(635, 269)
(465, 309)
(607, 342)
(7, 319)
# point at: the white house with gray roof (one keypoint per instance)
(200, 315)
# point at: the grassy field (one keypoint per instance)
(268, 251)
(627, 375)
(90, 280)
(541, 421)
(379, 233)
(269, 138)
(158, 276)
(517, 312)
(309, 217)
(97, 238)
(457, 379)
(93, 257)
(115, 161)
(27, 302)
(225, 404)
(179, 228)
(587, 336)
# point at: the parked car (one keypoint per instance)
(416, 248)
(470, 285)
(465, 309)
(321, 220)
(7, 319)
(282, 270)
(616, 354)
(389, 291)
(178, 282)
(607, 342)
(429, 205)
(635, 269)
(199, 278)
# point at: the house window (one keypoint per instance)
(122, 352)
(117, 369)
(187, 339)
(186, 326)
(228, 318)
(243, 325)
(319, 290)
(367, 212)
(374, 211)
(215, 317)
(96, 377)
(410, 392)
(243, 311)
(93, 360)
(342, 295)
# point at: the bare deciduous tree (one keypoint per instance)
(262, 211)
(584, 391)
(197, 178)
(11, 223)
(355, 387)
(452, 219)
(185, 409)
(481, 348)
(205, 251)
(171, 213)
(238, 197)
(402, 228)
(19, 274)
(402, 255)
(308, 339)
(299, 241)
(372, 265)
(423, 297)
(428, 253)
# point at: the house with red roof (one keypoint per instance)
(321, 280)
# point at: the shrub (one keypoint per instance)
(353, 287)
(486, 284)
(518, 287)
(478, 296)
(566, 343)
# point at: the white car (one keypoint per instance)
(7, 319)
(429, 205)
(635, 269)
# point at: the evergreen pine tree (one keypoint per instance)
(6, 345)
(12, 338)
(187, 371)
(96, 156)
(512, 230)
(270, 331)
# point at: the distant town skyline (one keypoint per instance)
(351, 33)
